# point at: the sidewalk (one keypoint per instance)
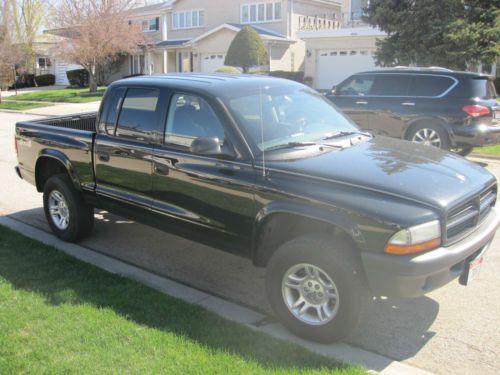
(59, 109)
(26, 90)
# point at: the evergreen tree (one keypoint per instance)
(246, 50)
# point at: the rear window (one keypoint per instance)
(430, 85)
(483, 88)
(391, 85)
(138, 115)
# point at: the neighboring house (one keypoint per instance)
(46, 63)
(194, 35)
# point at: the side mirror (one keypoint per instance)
(210, 146)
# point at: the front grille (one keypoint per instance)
(468, 216)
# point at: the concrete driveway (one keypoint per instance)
(453, 330)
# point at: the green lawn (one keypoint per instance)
(488, 150)
(59, 315)
(21, 106)
(61, 95)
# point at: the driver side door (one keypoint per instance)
(202, 197)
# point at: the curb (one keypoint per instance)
(485, 156)
(228, 310)
(23, 112)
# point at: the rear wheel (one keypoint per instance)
(314, 285)
(464, 151)
(69, 217)
(430, 135)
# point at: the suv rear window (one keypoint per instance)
(391, 85)
(483, 88)
(427, 85)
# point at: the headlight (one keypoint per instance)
(415, 239)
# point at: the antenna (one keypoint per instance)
(262, 133)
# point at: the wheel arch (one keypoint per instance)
(433, 120)
(50, 163)
(276, 221)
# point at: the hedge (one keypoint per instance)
(78, 77)
(294, 76)
(228, 69)
(45, 80)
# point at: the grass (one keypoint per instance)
(61, 96)
(59, 315)
(487, 150)
(19, 106)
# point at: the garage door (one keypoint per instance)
(210, 62)
(336, 65)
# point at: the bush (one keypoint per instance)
(228, 69)
(78, 77)
(497, 85)
(294, 76)
(45, 80)
(246, 50)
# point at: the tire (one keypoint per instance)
(430, 135)
(334, 258)
(79, 215)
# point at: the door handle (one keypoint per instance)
(408, 104)
(362, 102)
(161, 169)
(103, 156)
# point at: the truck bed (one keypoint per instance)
(84, 121)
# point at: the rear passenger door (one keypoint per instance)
(351, 97)
(389, 107)
(123, 146)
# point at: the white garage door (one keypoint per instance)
(336, 65)
(210, 62)
(61, 68)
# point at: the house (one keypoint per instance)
(194, 35)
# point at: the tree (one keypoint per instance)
(97, 33)
(246, 50)
(449, 33)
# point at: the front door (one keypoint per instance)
(207, 198)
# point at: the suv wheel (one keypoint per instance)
(314, 285)
(430, 135)
(69, 217)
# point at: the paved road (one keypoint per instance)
(453, 330)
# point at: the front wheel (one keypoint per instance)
(69, 217)
(314, 285)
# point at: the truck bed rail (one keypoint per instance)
(84, 121)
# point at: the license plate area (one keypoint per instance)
(471, 271)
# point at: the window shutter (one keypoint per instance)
(157, 23)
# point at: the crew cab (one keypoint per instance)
(268, 169)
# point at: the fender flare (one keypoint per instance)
(61, 158)
(336, 217)
(432, 119)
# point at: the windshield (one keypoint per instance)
(281, 115)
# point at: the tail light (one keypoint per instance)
(16, 146)
(476, 110)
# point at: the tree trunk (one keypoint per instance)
(0, 95)
(92, 82)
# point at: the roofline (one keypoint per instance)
(363, 31)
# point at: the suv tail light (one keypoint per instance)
(476, 110)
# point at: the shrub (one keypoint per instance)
(45, 80)
(497, 85)
(228, 69)
(78, 77)
(246, 50)
(294, 76)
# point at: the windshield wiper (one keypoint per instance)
(345, 134)
(290, 145)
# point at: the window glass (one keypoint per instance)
(483, 88)
(138, 116)
(195, 19)
(357, 85)
(113, 111)
(175, 20)
(391, 85)
(253, 13)
(181, 20)
(274, 116)
(245, 17)
(190, 117)
(261, 13)
(269, 11)
(277, 11)
(429, 85)
(201, 17)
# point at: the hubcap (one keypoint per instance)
(310, 294)
(59, 211)
(427, 137)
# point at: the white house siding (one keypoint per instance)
(61, 67)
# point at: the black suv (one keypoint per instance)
(433, 106)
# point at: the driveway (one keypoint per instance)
(452, 330)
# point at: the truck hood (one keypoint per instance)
(399, 168)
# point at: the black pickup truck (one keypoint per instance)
(268, 169)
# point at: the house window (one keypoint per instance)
(188, 20)
(152, 24)
(137, 64)
(261, 12)
(44, 62)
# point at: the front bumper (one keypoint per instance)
(18, 171)
(415, 275)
